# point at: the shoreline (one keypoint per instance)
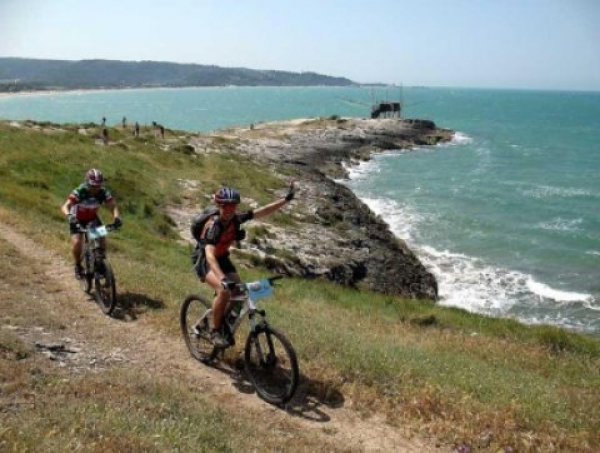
(72, 91)
(357, 247)
(160, 88)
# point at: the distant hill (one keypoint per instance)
(17, 74)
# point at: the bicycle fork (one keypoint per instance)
(264, 357)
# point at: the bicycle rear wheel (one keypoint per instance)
(271, 365)
(105, 286)
(194, 317)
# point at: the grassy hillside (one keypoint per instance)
(459, 377)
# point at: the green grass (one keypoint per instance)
(490, 382)
(444, 369)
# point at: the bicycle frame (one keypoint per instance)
(249, 294)
(92, 235)
(93, 244)
(248, 310)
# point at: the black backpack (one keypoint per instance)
(200, 220)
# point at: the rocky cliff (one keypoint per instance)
(339, 238)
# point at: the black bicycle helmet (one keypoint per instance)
(227, 195)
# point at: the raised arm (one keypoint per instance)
(264, 211)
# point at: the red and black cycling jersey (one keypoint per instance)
(85, 205)
(215, 233)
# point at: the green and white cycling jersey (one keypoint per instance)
(85, 205)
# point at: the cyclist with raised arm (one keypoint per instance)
(81, 208)
(213, 265)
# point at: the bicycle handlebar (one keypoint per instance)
(109, 227)
(242, 287)
(230, 285)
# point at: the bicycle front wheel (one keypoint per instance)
(86, 280)
(194, 317)
(105, 286)
(271, 365)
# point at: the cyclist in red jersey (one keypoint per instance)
(81, 208)
(214, 266)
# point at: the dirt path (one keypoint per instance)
(101, 341)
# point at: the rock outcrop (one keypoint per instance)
(339, 237)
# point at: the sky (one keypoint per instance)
(523, 44)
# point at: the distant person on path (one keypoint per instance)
(162, 131)
(124, 122)
(137, 129)
(81, 208)
(103, 122)
(211, 255)
(105, 136)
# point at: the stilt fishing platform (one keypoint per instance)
(386, 110)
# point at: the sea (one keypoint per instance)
(506, 215)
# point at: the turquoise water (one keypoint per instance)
(193, 109)
(506, 216)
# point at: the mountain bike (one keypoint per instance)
(97, 271)
(269, 359)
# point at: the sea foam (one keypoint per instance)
(547, 292)
(470, 283)
(460, 138)
(402, 219)
(560, 224)
(544, 191)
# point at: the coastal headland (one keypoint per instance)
(336, 235)
(333, 234)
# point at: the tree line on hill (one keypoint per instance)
(19, 74)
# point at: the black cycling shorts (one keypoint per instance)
(202, 268)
